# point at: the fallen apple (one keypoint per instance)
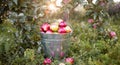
(47, 61)
(90, 20)
(69, 60)
(94, 26)
(62, 54)
(112, 34)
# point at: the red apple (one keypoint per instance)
(68, 29)
(62, 54)
(69, 60)
(41, 30)
(62, 24)
(49, 32)
(62, 30)
(47, 61)
(45, 27)
(112, 34)
(95, 26)
(90, 20)
(54, 27)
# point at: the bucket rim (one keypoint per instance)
(42, 33)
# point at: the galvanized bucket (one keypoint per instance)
(55, 45)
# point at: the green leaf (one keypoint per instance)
(15, 1)
(95, 15)
(7, 47)
(89, 12)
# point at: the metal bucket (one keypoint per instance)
(55, 45)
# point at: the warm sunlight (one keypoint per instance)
(52, 8)
(116, 0)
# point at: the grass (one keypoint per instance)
(86, 48)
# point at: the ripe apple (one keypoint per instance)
(112, 34)
(45, 27)
(54, 27)
(62, 30)
(94, 26)
(69, 60)
(62, 54)
(47, 61)
(90, 20)
(49, 32)
(68, 29)
(62, 24)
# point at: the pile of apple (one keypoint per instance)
(68, 60)
(55, 27)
